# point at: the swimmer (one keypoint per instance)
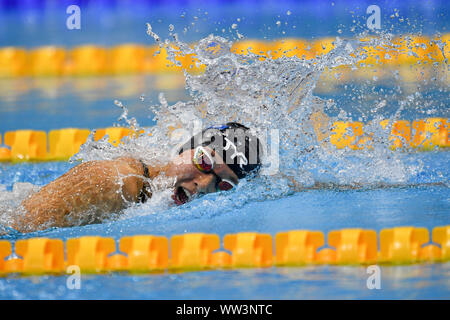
(214, 160)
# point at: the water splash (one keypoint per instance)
(265, 94)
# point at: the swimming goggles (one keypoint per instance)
(205, 163)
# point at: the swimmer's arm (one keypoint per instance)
(97, 187)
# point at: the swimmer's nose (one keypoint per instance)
(203, 183)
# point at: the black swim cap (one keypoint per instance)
(239, 148)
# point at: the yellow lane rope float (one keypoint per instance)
(31, 145)
(200, 251)
(88, 60)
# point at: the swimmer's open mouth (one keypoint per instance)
(181, 196)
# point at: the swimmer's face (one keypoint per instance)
(191, 181)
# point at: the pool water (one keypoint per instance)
(397, 282)
(421, 199)
(421, 206)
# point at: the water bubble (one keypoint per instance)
(151, 33)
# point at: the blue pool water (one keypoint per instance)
(88, 103)
(422, 204)
(325, 210)
(405, 282)
(422, 200)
